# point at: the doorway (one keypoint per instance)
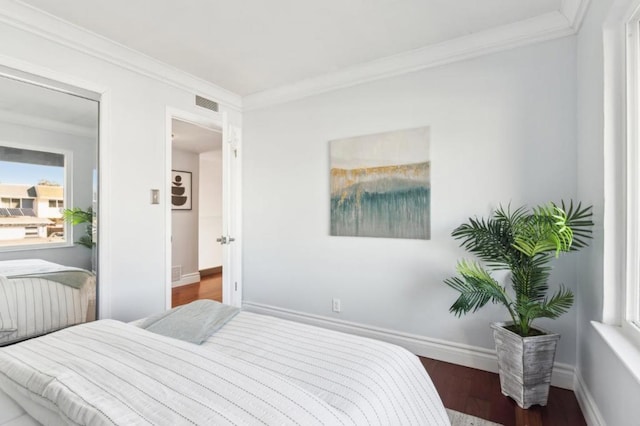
(196, 200)
(229, 238)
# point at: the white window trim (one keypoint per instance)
(630, 315)
(621, 236)
(68, 197)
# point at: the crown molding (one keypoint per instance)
(538, 29)
(574, 11)
(50, 27)
(549, 26)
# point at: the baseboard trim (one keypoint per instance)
(586, 402)
(186, 280)
(211, 271)
(456, 353)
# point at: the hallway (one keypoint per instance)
(209, 287)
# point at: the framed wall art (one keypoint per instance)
(180, 190)
(381, 185)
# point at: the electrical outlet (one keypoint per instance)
(336, 305)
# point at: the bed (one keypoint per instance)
(255, 369)
(38, 297)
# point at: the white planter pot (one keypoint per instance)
(525, 364)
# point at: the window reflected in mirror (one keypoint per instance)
(48, 204)
(32, 197)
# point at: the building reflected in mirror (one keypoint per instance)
(48, 200)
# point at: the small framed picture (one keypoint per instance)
(180, 190)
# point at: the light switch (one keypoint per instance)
(155, 196)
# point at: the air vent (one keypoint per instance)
(206, 103)
(176, 273)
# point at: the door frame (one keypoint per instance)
(230, 261)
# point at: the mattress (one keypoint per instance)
(375, 382)
(35, 299)
(255, 370)
(13, 414)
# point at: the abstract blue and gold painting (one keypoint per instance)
(381, 185)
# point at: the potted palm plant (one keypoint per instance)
(77, 216)
(523, 242)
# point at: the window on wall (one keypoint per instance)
(16, 203)
(33, 195)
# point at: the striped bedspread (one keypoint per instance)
(368, 381)
(33, 306)
(255, 370)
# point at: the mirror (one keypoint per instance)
(48, 203)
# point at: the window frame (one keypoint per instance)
(629, 304)
(9, 204)
(67, 199)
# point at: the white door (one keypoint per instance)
(231, 241)
(231, 173)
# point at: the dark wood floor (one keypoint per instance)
(209, 287)
(477, 392)
(464, 389)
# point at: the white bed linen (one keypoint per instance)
(336, 378)
(107, 372)
(36, 305)
(371, 382)
(20, 267)
(13, 414)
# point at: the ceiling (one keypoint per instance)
(195, 138)
(249, 46)
(37, 106)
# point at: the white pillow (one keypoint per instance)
(8, 307)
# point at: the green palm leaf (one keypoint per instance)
(476, 288)
(523, 242)
(484, 239)
(579, 220)
(76, 215)
(531, 281)
(559, 304)
(545, 230)
(491, 240)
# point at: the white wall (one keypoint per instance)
(210, 212)
(614, 390)
(184, 223)
(84, 155)
(502, 130)
(133, 232)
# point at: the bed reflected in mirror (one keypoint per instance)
(48, 204)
